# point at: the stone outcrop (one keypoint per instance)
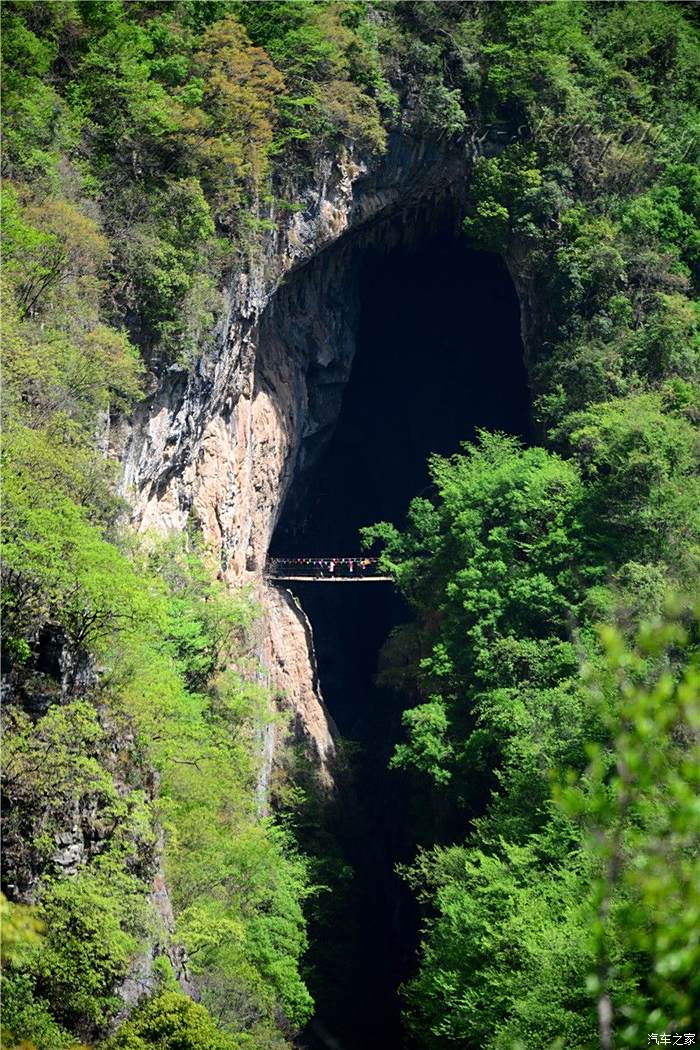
(225, 440)
(143, 977)
(289, 655)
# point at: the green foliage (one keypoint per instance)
(167, 264)
(429, 749)
(508, 199)
(495, 559)
(172, 1022)
(509, 944)
(638, 808)
(143, 146)
(92, 926)
(528, 940)
(65, 962)
(38, 123)
(585, 124)
(49, 768)
(48, 246)
(166, 125)
(155, 670)
(329, 56)
(239, 87)
(27, 1020)
(20, 931)
(176, 681)
(58, 567)
(643, 489)
(241, 919)
(237, 884)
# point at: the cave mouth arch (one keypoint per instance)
(437, 356)
(430, 351)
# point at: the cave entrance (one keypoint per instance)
(438, 354)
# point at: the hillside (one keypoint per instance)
(311, 279)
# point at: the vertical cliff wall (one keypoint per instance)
(222, 439)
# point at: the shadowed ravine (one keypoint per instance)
(438, 356)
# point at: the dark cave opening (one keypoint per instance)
(438, 356)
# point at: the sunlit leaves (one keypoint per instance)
(171, 1021)
(638, 805)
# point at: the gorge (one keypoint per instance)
(397, 341)
(236, 441)
(438, 354)
(306, 280)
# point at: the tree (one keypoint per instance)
(587, 931)
(171, 1021)
(47, 245)
(638, 807)
(493, 566)
(232, 129)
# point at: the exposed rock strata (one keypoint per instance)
(289, 654)
(224, 440)
(143, 978)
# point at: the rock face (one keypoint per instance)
(142, 978)
(226, 440)
(289, 655)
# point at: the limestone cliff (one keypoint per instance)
(224, 439)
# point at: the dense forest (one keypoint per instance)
(550, 671)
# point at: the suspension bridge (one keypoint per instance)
(326, 570)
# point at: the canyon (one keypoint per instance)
(288, 283)
(364, 336)
(228, 438)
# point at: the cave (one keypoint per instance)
(435, 353)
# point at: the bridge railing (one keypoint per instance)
(323, 568)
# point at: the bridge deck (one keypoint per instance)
(330, 579)
(325, 569)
